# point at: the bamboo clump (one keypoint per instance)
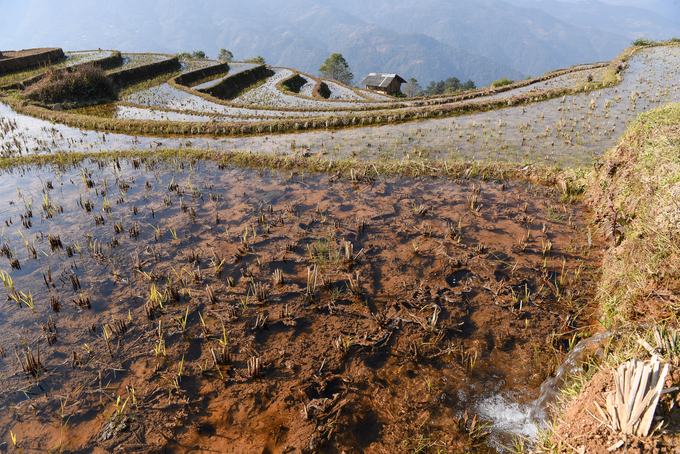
(639, 384)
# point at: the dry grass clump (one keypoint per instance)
(617, 398)
(638, 387)
(635, 192)
(87, 82)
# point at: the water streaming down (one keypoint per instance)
(572, 365)
(513, 415)
(509, 418)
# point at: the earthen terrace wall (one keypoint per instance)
(10, 64)
(294, 83)
(129, 76)
(321, 90)
(233, 85)
(187, 79)
(113, 60)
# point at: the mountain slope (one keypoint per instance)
(526, 39)
(630, 21)
(430, 40)
(298, 34)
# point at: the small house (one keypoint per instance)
(385, 83)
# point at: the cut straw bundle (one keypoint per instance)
(639, 384)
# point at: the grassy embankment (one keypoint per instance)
(634, 192)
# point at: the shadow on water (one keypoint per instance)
(154, 281)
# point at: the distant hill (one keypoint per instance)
(429, 40)
(299, 34)
(626, 20)
(526, 39)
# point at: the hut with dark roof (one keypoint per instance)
(384, 83)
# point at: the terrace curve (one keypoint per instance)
(567, 130)
(250, 114)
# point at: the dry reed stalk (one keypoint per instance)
(639, 384)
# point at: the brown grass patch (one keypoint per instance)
(87, 82)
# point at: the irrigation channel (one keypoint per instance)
(193, 305)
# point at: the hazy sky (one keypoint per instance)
(426, 43)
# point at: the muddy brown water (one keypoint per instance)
(403, 304)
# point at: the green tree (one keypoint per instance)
(259, 59)
(643, 41)
(336, 68)
(449, 86)
(469, 85)
(502, 82)
(225, 55)
(197, 54)
(412, 87)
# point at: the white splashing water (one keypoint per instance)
(509, 417)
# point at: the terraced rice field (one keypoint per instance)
(340, 92)
(72, 58)
(234, 68)
(567, 131)
(268, 95)
(161, 302)
(135, 60)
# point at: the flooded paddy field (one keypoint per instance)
(568, 131)
(72, 58)
(85, 56)
(166, 96)
(308, 88)
(135, 60)
(340, 92)
(268, 95)
(374, 95)
(566, 80)
(186, 306)
(234, 68)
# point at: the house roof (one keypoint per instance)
(381, 80)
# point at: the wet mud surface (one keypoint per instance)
(187, 307)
